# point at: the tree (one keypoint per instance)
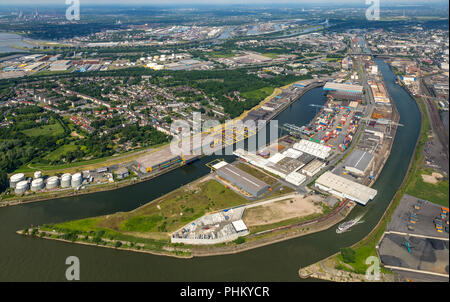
(3, 181)
(348, 255)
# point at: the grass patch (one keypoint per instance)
(436, 193)
(258, 94)
(63, 150)
(46, 130)
(162, 215)
(270, 55)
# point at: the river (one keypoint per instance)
(9, 40)
(24, 258)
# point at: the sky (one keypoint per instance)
(209, 2)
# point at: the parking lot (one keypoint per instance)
(424, 224)
(425, 255)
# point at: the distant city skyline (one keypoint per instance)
(214, 2)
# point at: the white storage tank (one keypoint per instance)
(37, 174)
(52, 182)
(37, 184)
(76, 180)
(21, 187)
(16, 178)
(65, 180)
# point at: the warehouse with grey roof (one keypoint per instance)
(242, 180)
(358, 162)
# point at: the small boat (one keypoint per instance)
(347, 225)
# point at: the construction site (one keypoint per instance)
(416, 241)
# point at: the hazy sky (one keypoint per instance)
(209, 2)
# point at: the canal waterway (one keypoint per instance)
(24, 258)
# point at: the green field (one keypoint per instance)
(55, 155)
(165, 214)
(52, 129)
(258, 94)
(437, 193)
(270, 55)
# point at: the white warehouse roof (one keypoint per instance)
(292, 153)
(239, 225)
(345, 188)
(315, 149)
(295, 178)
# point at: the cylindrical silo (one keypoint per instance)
(65, 180)
(52, 182)
(37, 174)
(21, 187)
(76, 180)
(37, 184)
(16, 178)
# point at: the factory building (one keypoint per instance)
(348, 88)
(313, 167)
(239, 226)
(157, 160)
(295, 178)
(358, 162)
(345, 188)
(312, 148)
(242, 180)
(122, 173)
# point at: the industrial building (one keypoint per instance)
(345, 188)
(349, 88)
(315, 149)
(313, 167)
(242, 180)
(239, 226)
(295, 178)
(358, 162)
(122, 173)
(157, 161)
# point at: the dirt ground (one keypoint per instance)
(433, 178)
(283, 210)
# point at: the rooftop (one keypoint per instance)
(348, 188)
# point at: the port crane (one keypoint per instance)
(390, 123)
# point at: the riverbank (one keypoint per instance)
(126, 158)
(333, 268)
(165, 248)
(89, 190)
